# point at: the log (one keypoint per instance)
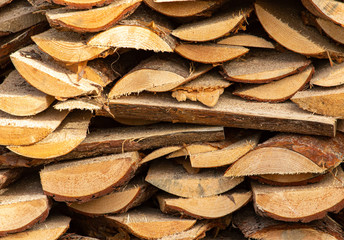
(92, 20)
(262, 66)
(19, 98)
(4, 2)
(289, 179)
(174, 179)
(82, 103)
(28, 130)
(301, 203)
(80, 4)
(91, 178)
(195, 148)
(160, 153)
(327, 75)
(277, 91)
(206, 207)
(73, 236)
(246, 40)
(332, 30)
(70, 133)
(8, 176)
(22, 205)
(134, 122)
(230, 111)
(48, 76)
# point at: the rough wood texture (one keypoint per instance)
(246, 40)
(93, 20)
(332, 30)
(82, 103)
(19, 98)
(8, 176)
(282, 21)
(71, 132)
(229, 111)
(160, 152)
(90, 178)
(277, 91)
(327, 75)
(301, 203)
(289, 179)
(4, 2)
(80, 4)
(261, 66)
(174, 179)
(73, 236)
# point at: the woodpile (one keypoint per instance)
(171, 119)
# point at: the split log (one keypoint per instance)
(48, 76)
(4, 2)
(206, 207)
(18, 16)
(332, 30)
(210, 53)
(261, 66)
(70, 133)
(160, 152)
(256, 227)
(8, 176)
(68, 46)
(73, 236)
(134, 122)
(187, 165)
(246, 40)
(93, 20)
(195, 148)
(159, 73)
(80, 4)
(91, 178)
(22, 205)
(51, 229)
(82, 103)
(174, 179)
(277, 91)
(301, 203)
(283, 23)
(28, 130)
(19, 98)
(134, 194)
(327, 75)
(289, 179)
(230, 111)
(229, 20)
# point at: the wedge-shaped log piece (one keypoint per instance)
(48, 76)
(246, 40)
(257, 227)
(327, 75)
(51, 229)
(174, 179)
(159, 73)
(4, 2)
(80, 104)
(206, 207)
(8, 176)
(206, 89)
(277, 91)
(282, 21)
(93, 20)
(86, 179)
(289, 179)
(22, 205)
(19, 98)
(135, 193)
(18, 16)
(332, 30)
(70, 133)
(230, 111)
(260, 66)
(68, 46)
(160, 152)
(195, 148)
(322, 101)
(28, 130)
(210, 53)
(134, 122)
(80, 4)
(301, 203)
(215, 26)
(149, 223)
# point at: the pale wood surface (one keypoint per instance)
(246, 40)
(327, 75)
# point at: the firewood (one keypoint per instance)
(160, 152)
(277, 91)
(8, 176)
(79, 103)
(215, 26)
(159, 73)
(332, 30)
(187, 165)
(174, 179)
(91, 178)
(301, 203)
(230, 111)
(210, 53)
(283, 23)
(22, 205)
(256, 227)
(28, 130)
(4, 2)
(19, 98)
(18, 16)
(51, 229)
(289, 179)
(68, 46)
(134, 122)
(195, 148)
(93, 20)
(135, 193)
(206, 89)
(80, 4)
(246, 40)
(70, 133)
(73, 236)
(327, 75)
(143, 30)
(206, 207)
(261, 66)
(48, 76)
(149, 223)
